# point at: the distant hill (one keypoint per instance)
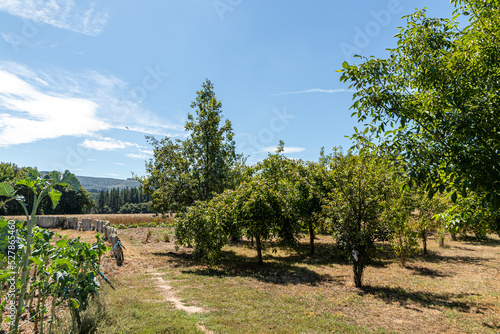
(104, 183)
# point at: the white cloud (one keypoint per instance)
(314, 90)
(47, 104)
(63, 14)
(36, 115)
(137, 156)
(106, 144)
(286, 150)
(118, 164)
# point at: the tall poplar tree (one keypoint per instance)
(197, 168)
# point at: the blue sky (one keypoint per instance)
(83, 82)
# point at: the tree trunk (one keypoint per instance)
(453, 237)
(358, 266)
(78, 320)
(311, 238)
(259, 248)
(424, 241)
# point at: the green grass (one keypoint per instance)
(451, 290)
(136, 307)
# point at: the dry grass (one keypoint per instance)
(455, 289)
(117, 219)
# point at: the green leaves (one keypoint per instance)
(36, 260)
(440, 88)
(197, 168)
(74, 303)
(55, 196)
(7, 190)
(67, 179)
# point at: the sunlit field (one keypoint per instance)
(118, 219)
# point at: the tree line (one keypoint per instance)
(126, 200)
(115, 200)
(71, 202)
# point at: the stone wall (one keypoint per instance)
(72, 223)
(100, 226)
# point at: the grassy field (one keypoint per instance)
(454, 289)
(117, 219)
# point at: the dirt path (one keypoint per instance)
(169, 294)
(139, 259)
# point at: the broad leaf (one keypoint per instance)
(7, 190)
(32, 173)
(75, 303)
(71, 180)
(36, 261)
(64, 264)
(62, 277)
(27, 182)
(62, 243)
(55, 196)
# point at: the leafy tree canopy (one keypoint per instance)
(197, 168)
(362, 185)
(436, 99)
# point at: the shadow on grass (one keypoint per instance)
(423, 271)
(276, 270)
(425, 299)
(437, 258)
(273, 270)
(495, 325)
(178, 259)
(472, 240)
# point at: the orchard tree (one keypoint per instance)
(182, 172)
(254, 209)
(436, 99)
(471, 215)
(302, 185)
(398, 213)
(361, 187)
(207, 226)
(10, 172)
(259, 212)
(313, 187)
(278, 173)
(427, 213)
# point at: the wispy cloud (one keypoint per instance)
(314, 90)
(50, 103)
(63, 14)
(140, 156)
(28, 114)
(286, 150)
(106, 144)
